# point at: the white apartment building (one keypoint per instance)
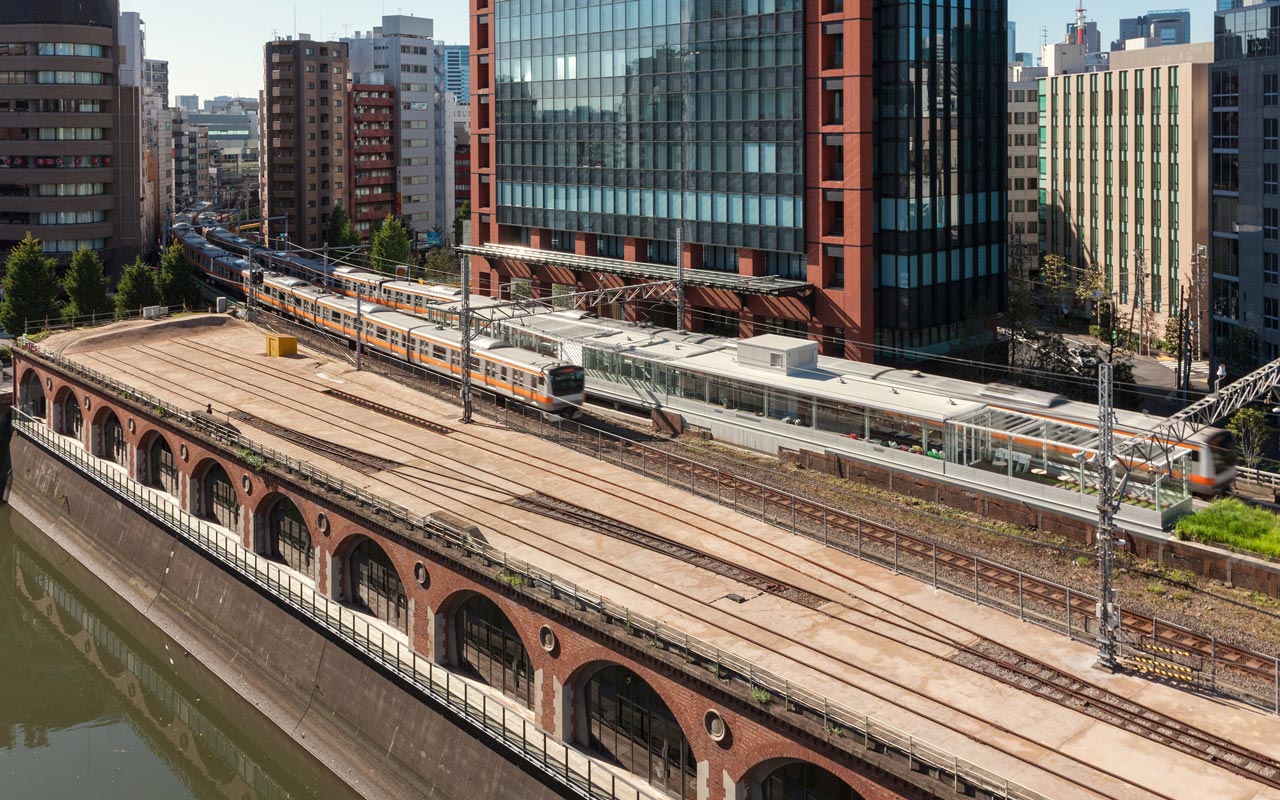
(402, 53)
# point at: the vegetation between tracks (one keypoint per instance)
(1235, 524)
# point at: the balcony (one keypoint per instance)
(282, 74)
(282, 58)
(374, 101)
(283, 159)
(371, 149)
(380, 180)
(373, 133)
(283, 90)
(282, 124)
(288, 176)
(372, 116)
(381, 197)
(377, 163)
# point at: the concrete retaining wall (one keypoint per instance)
(372, 733)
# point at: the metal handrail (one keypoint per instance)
(851, 724)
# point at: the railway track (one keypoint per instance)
(1169, 652)
(1014, 668)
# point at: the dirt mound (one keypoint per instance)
(123, 334)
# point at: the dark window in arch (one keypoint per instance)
(113, 444)
(72, 420)
(628, 722)
(162, 472)
(219, 498)
(288, 539)
(31, 399)
(489, 647)
(376, 586)
(803, 781)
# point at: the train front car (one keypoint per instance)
(1216, 462)
(566, 385)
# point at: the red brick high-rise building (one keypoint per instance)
(372, 134)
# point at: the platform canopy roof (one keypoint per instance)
(731, 281)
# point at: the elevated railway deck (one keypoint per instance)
(1021, 701)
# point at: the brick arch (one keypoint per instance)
(63, 395)
(681, 702)
(758, 758)
(102, 415)
(32, 397)
(687, 705)
(340, 584)
(260, 530)
(450, 604)
(146, 436)
(200, 503)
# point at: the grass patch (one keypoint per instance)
(1235, 524)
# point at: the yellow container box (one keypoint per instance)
(280, 345)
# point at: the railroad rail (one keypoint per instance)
(1147, 643)
(857, 728)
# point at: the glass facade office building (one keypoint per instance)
(1245, 173)
(602, 128)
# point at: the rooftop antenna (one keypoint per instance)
(1080, 39)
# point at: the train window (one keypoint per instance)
(437, 352)
(381, 333)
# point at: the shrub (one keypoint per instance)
(762, 696)
(1235, 524)
(252, 459)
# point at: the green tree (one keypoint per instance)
(30, 288)
(137, 288)
(86, 286)
(176, 279)
(341, 232)
(1249, 426)
(462, 214)
(1173, 335)
(390, 245)
(441, 265)
(1055, 274)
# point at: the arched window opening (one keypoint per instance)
(376, 587)
(490, 648)
(218, 498)
(628, 722)
(801, 780)
(162, 472)
(288, 539)
(31, 396)
(112, 445)
(72, 423)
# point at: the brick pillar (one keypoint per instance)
(584, 244)
(538, 239)
(751, 263)
(633, 249)
(746, 323)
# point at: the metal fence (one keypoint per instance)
(845, 726)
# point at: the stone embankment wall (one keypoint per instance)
(379, 738)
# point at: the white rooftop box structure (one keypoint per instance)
(782, 353)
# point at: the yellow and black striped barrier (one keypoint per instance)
(1163, 669)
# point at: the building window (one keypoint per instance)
(1271, 313)
(1271, 268)
(1271, 178)
(1271, 223)
(1271, 134)
(1271, 89)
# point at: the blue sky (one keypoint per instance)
(217, 49)
(1031, 15)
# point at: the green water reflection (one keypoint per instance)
(96, 703)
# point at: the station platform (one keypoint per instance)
(865, 643)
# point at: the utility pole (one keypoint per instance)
(464, 325)
(359, 327)
(1108, 502)
(680, 275)
(324, 261)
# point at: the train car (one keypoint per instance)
(546, 383)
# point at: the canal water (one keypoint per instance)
(97, 704)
